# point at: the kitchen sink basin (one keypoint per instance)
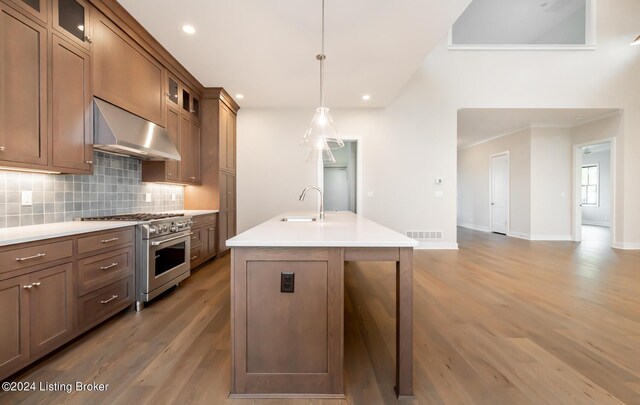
(299, 219)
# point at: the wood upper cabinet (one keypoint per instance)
(39, 9)
(51, 307)
(189, 151)
(227, 133)
(125, 74)
(194, 157)
(71, 19)
(71, 130)
(172, 168)
(14, 318)
(23, 90)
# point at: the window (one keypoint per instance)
(525, 24)
(590, 191)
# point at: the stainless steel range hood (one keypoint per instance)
(119, 131)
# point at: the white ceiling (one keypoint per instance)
(479, 124)
(521, 22)
(266, 49)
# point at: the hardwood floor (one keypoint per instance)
(501, 321)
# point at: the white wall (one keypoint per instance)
(413, 141)
(599, 215)
(474, 171)
(551, 183)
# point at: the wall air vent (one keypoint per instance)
(425, 235)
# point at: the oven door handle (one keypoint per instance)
(158, 243)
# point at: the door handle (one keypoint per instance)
(154, 243)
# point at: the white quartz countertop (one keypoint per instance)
(22, 234)
(194, 213)
(338, 229)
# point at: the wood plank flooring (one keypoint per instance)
(501, 321)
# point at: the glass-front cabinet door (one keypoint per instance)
(71, 18)
(36, 8)
(172, 90)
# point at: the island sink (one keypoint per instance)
(299, 219)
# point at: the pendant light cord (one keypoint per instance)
(321, 58)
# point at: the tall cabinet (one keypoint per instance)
(218, 162)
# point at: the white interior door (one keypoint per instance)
(500, 193)
(336, 189)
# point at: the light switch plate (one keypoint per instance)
(147, 197)
(27, 198)
(173, 197)
(369, 194)
(439, 194)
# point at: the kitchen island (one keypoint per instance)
(287, 303)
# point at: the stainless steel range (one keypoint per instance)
(163, 244)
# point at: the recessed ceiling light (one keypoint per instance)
(188, 29)
(239, 96)
(366, 97)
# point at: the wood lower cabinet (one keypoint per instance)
(14, 318)
(227, 228)
(51, 297)
(59, 289)
(204, 239)
(71, 128)
(23, 91)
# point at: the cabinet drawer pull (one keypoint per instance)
(212, 229)
(113, 297)
(114, 264)
(192, 178)
(22, 259)
(109, 240)
(36, 284)
(28, 286)
(194, 257)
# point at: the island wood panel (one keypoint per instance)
(258, 373)
(358, 254)
(404, 324)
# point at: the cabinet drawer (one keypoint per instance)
(97, 271)
(97, 305)
(196, 238)
(24, 257)
(103, 240)
(196, 256)
(204, 220)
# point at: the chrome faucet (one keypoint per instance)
(304, 192)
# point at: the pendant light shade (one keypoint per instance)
(322, 135)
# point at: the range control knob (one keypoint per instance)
(174, 228)
(165, 228)
(153, 229)
(180, 225)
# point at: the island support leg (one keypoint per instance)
(404, 324)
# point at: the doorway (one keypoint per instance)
(594, 192)
(499, 194)
(340, 179)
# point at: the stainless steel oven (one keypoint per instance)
(163, 258)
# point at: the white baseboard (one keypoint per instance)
(596, 223)
(551, 237)
(424, 245)
(519, 235)
(626, 245)
(474, 227)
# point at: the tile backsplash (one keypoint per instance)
(114, 188)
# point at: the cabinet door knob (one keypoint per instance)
(88, 39)
(36, 284)
(28, 287)
(89, 162)
(1, 148)
(192, 178)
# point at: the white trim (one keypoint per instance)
(359, 175)
(437, 246)
(551, 238)
(626, 245)
(494, 137)
(596, 223)
(474, 227)
(508, 189)
(519, 235)
(588, 121)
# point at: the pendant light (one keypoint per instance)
(322, 135)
